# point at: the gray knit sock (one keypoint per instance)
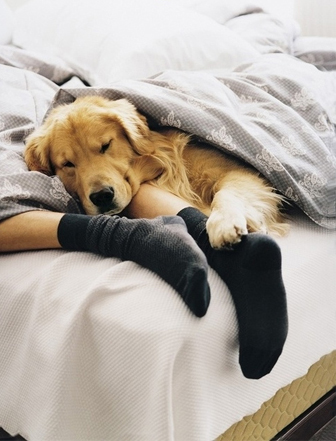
(252, 272)
(162, 245)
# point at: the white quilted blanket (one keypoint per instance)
(95, 349)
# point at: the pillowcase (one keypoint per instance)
(221, 10)
(6, 23)
(106, 41)
(218, 10)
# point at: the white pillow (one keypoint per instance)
(218, 10)
(6, 23)
(110, 40)
(221, 10)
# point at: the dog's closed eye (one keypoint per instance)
(68, 164)
(104, 147)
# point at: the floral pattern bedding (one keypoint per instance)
(277, 112)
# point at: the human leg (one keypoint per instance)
(252, 272)
(162, 245)
(31, 230)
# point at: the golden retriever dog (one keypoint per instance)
(102, 150)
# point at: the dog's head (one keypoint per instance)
(99, 148)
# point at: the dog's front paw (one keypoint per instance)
(225, 229)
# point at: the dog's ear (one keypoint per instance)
(134, 124)
(37, 151)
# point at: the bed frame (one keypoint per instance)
(311, 421)
(301, 429)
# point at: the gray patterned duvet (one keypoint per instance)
(277, 113)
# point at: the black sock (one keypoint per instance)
(162, 245)
(252, 272)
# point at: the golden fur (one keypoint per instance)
(103, 150)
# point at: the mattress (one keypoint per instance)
(287, 404)
(86, 341)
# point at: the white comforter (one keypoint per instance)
(95, 349)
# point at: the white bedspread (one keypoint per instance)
(95, 349)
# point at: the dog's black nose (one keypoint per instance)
(103, 197)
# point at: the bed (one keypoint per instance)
(93, 348)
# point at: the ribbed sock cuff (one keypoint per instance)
(195, 221)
